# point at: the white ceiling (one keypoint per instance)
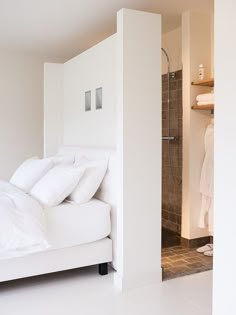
(64, 28)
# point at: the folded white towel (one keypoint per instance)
(206, 102)
(205, 97)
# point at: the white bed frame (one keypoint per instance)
(96, 253)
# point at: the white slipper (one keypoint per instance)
(209, 253)
(205, 248)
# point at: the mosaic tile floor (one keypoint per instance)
(178, 261)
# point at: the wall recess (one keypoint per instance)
(99, 98)
(88, 101)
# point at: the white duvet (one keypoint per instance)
(22, 223)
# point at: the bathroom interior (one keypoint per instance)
(187, 145)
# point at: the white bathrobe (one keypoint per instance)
(207, 182)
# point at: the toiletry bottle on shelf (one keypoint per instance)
(201, 72)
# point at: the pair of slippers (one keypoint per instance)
(206, 250)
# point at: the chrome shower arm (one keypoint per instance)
(167, 58)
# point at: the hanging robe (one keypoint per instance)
(207, 182)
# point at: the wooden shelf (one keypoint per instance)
(204, 107)
(207, 82)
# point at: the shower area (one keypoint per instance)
(185, 124)
(172, 123)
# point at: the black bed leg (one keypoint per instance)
(103, 269)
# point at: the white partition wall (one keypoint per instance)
(128, 68)
(139, 145)
(53, 107)
(93, 69)
(65, 119)
(225, 157)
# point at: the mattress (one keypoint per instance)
(70, 224)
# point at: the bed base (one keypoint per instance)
(96, 253)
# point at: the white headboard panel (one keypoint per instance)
(108, 189)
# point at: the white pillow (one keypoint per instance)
(57, 184)
(29, 172)
(94, 172)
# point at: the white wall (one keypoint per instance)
(196, 49)
(225, 157)
(128, 67)
(53, 107)
(139, 147)
(172, 43)
(21, 106)
(90, 70)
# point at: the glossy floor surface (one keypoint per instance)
(84, 292)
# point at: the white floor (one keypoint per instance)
(84, 292)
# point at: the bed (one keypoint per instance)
(79, 235)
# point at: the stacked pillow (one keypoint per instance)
(30, 172)
(52, 180)
(57, 184)
(94, 172)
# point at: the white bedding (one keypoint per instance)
(26, 227)
(22, 223)
(70, 224)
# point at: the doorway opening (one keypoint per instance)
(187, 245)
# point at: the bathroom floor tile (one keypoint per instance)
(178, 261)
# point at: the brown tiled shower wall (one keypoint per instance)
(172, 157)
